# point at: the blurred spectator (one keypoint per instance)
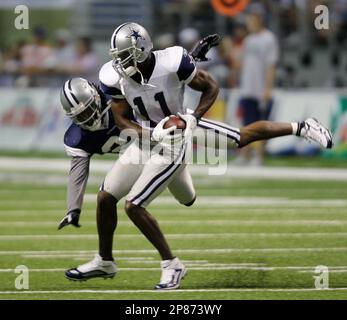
(35, 56)
(188, 37)
(257, 78)
(85, 64)
(164, 41)
(236, 53)
(65, 52)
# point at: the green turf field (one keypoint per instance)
(244, 239)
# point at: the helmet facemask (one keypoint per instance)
(126, 60)
(88, 115)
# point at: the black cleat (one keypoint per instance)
(72, 218)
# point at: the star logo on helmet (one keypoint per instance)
(136, 35)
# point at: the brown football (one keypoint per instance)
(175, 121)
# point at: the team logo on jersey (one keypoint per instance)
(136, 35)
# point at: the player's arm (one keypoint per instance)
(122, 113)
(204, 83)
(77, 182)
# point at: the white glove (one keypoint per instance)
(191, 124)
(159, 133)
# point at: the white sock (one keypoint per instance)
(295, 126)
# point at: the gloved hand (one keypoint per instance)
(72, 218)
(203, 46)
(191, 123)
(159, 133)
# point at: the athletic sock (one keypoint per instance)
(297, 127)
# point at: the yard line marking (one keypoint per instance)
(204, 267)
(209, 222)
(183, 251)
(178, 235)
(193, 211)
(174, 291)
(102, 166)
(206, 201)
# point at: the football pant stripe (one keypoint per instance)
(231, 134)
(159, 179)
(224, 126)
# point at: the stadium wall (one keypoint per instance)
(31, 119)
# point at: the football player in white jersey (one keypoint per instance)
(149, 85)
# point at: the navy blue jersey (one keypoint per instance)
(100, 141)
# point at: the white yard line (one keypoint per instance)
(182, 251)
(219, 222)
(203, 267)
(173, 223)
(102, 166)
(178, 235)
(201, 201)
(173, 291)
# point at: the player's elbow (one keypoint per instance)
(211, 86)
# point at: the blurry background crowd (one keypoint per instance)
(70, 37)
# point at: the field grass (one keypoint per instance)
(243, 239)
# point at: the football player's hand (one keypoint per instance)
(191, 123)
(159, 133)
(72, 218)
(203, 46)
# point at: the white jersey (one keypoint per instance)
(162, 95)
(260, 51)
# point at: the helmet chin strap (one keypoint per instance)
(100, 125)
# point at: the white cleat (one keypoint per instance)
(97, 268)
(172, 272)
(312, 130)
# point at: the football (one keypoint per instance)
(175, 121)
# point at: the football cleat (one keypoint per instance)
(97, 268)
(172, 272)
(312, 130)
(72, 218)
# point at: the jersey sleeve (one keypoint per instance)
(109, 81)
(73, 142)
(187, 68)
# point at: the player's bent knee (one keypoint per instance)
(190, 203)
(130, 208)
(105, 198)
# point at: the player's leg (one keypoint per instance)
(157, 174)
(309, 129)
(116, 185)
(182, 188)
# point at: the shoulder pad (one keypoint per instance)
(172, 57)
(109, 76)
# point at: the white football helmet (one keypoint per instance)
(130, 45)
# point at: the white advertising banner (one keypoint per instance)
(32, 119)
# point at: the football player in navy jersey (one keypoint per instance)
(148, 86)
